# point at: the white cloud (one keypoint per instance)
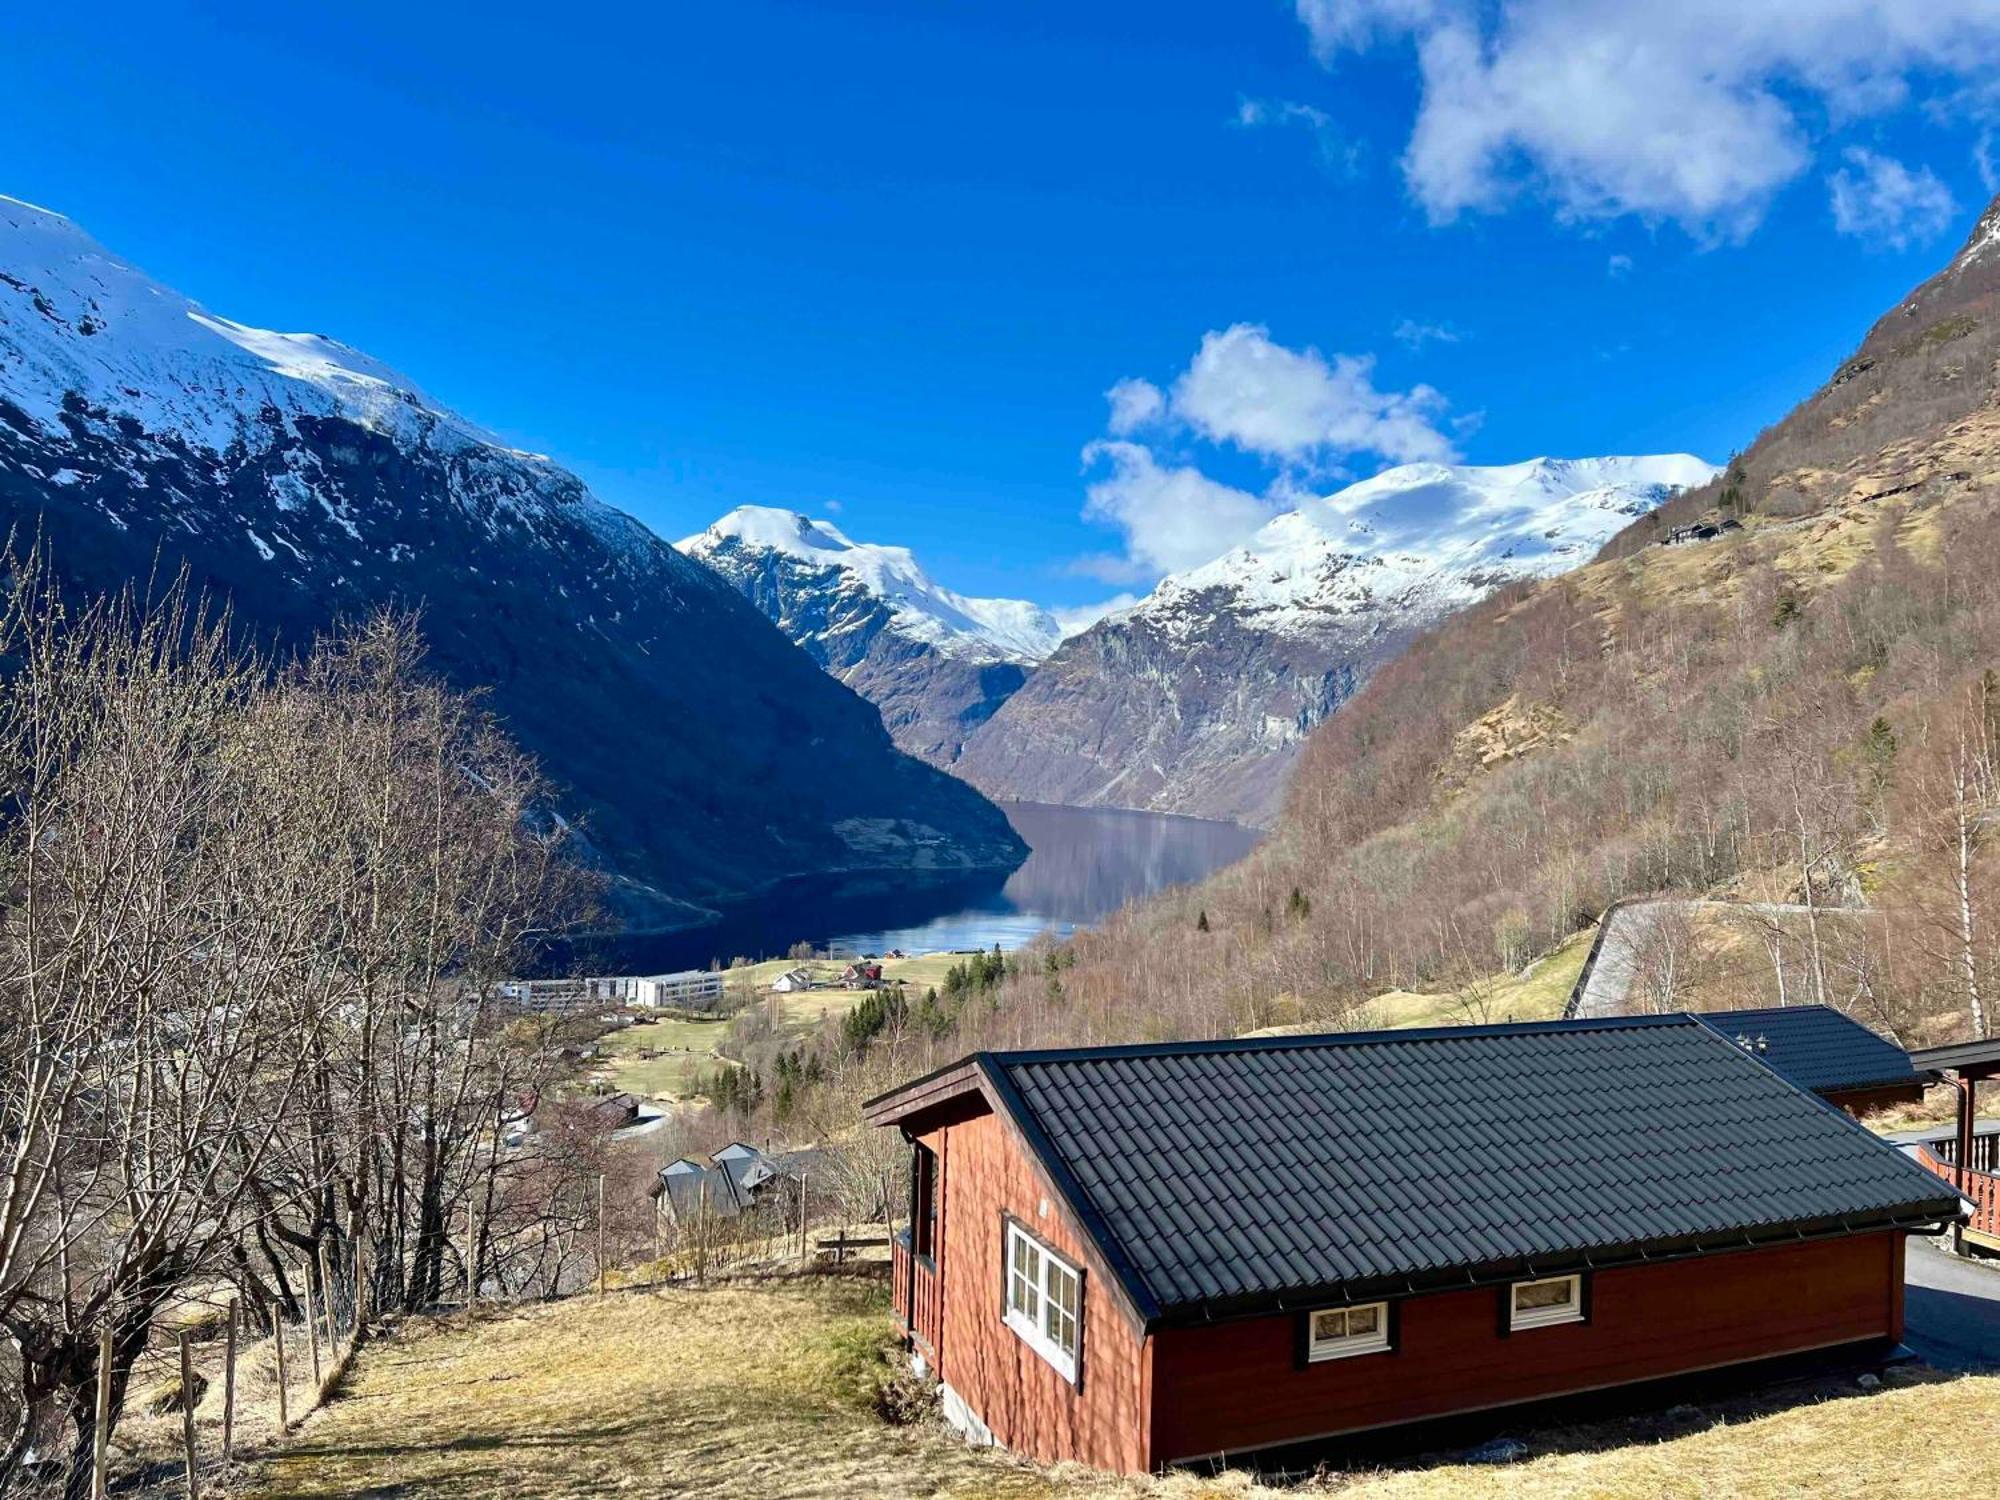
(1134, 404)
(1298, 406)
(1074, 619)
(1618, 267)
(1696, 112)
(1878, 199)
(1415, 335)
(1336, 152)
(1172, 517)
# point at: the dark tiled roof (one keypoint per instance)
(1817, 1047)
(1233, 1176)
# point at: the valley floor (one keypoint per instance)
(772, 1390)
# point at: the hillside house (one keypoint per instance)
(730, 1183)
(1830, 1053)
(1144, 1256)
(865, 975)
(793, 982)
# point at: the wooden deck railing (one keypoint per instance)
(914, 1281)
(1985, 1153)
(1981, 1189)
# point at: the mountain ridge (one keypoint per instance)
(305, 481)
(1197, 699)
(937, 664)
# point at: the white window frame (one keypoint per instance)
(1032, 1270)
(1545, 1317)
(1346, 1345)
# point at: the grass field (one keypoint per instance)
(771, 1390)
(686, 1048)
(1538, 994)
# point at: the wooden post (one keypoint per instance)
(100, 1454)
(331, 1311)
(312, 1331)
(805, 1181)
(187, 1417)
(229, 1384)
(659, 1256)
(360, 1282)
(471, 1256)
(278, 1344)
(600, 1234)
(1964, 1087)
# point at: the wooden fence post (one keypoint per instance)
(312, 1331)
(331, 1312)
(471, 1256)
(805, 1182)
(360, 1283)
(229, 1384)
(187, 1417)
(100, 1454)
(278, 1344)
(600, 1235)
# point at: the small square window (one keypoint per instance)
(1338, 1332)
(1044, 1301)
(1537, 1304)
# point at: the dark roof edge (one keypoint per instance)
(1223, 1045)
(1932, 1217)
(1076, 1198)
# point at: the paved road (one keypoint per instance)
(1951, 1308)
(1621, 947)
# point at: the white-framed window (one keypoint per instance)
(1537, 1304)
(1044, 1300)
(1338, 1332)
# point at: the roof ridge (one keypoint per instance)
(1321, 1039)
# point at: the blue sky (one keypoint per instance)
(889, 257)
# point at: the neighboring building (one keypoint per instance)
(793, 981)
(1969, 1158)
(731, 1182)
(690, 989)
(866, 975)
(1152, 1255)
(1832, 1054)
(545, 996)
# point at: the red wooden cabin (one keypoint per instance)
(1151, 1255)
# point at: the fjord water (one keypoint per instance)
(1084, 863)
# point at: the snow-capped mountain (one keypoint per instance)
(937, 664)
(1195, 699)
(308, 482)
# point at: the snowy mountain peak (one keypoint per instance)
(1427, 536)
(954, 625)
(88, 339)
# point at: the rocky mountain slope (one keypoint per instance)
(307, 482)
(1198, 699)
(937, 664)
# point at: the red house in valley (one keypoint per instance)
(1152, 1255)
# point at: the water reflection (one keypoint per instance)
(1084, 863)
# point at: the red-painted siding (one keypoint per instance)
(1184, 1393)
(1234, 1386)
(985, 1173)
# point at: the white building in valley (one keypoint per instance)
(690, 989)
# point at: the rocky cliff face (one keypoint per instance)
(306, 482)
(1197, 700)
(936, 664)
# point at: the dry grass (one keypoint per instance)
(685, 1049)
(772, 1390)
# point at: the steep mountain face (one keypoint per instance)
(1908, 416)
(1198, 699)
(308, 482)
(937, 664)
